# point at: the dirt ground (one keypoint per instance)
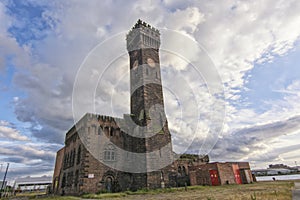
(279, 190)
(276, 190)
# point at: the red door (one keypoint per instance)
(237, 175)
(214, 177)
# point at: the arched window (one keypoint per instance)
(106, 130)
(99, 130)
(67, 161)
(70, 176)
(118, 132)
(73, 157)
(179, 170)
(109, 153)
(76, 177)
(183, 171)
(63, 182)
(70, 159)
(111, 131)
(94, 128)
(78, 154)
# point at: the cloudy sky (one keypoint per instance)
(252, 46)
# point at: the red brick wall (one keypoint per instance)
(199, 174)
(226, 173)
(57, 170)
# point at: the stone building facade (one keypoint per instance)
(83, 172)
(104, 153)
(116, 154)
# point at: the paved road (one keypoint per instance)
(296, 191)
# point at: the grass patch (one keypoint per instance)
(104, 195)
(280, 190)
(46, 197)
(61, 198)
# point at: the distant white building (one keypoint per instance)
(33, 183)
(274, 171)
(260, 172)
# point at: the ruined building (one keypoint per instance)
(104, 153)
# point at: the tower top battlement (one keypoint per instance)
(143, 35)
(141, 24)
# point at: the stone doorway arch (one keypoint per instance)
(108, 183)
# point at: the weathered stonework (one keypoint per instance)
(90, 163)
(99, 152)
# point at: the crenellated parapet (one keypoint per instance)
(142, 35)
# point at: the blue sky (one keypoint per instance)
(268, 79)
(255, 48)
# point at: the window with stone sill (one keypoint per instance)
(109, 153)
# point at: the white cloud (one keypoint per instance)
(236, 34)
(9, 133)
(186, 20)
(258, 143)
(27, 158)
(10, 52)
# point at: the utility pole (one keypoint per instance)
(4, 180)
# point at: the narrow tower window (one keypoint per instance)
(78, 155)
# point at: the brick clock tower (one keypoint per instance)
(147, 103)
(145, 81)
(104, 153)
